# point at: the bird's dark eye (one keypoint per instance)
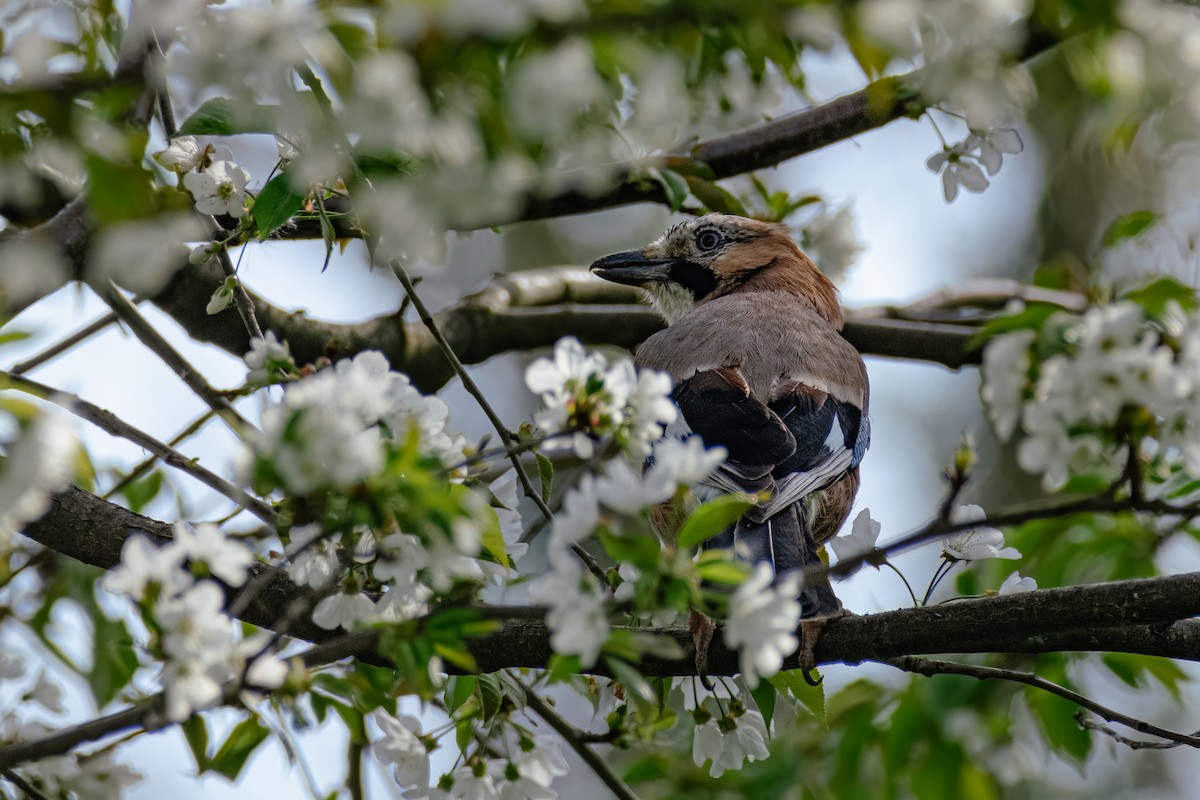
(708, 240)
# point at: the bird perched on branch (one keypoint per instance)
(754, 346)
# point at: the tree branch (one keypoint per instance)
(573, 738)
(929, 667)
(1147, 616)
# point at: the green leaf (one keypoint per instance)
(1154, 296)
(711, 518)
(640, 550)
(676, 187)
(243, 740)
(490, 695)
(1032, 317)
(195, 731)
(139, 493)
(459, 689)
(722, 571)
(222, 116)
(493, 542)
(546, 473)
(811, 697)
(118, 192)
(457, 654)
(275, 205)
(714, 197)
(114, 658)
(562, 668)
(1127, 227)
(764, 698)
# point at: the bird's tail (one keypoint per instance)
(785, 542)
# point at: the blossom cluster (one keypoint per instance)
(1112, 378)
(38, 463)
(576, 619)
(585, 398)
(331, 428)
(182, 605)
(527, 772)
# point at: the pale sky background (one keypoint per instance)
(916, 243)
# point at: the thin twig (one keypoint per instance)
(65, 344)
(572, 737)
(473, 389)
(1097, 504)
(31, 791)
(1085, 721)
(241, 298)
(930, 667)
(111, 423)
(146, 465)
(158, 345)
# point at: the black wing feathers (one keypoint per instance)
(716, 405)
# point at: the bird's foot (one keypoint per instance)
(702, 628)
(810, 631)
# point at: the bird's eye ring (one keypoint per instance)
(708, 240)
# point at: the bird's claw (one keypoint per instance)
(810, 631)
(702, 628)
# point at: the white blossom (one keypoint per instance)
(864, 533)
(47, 694)
(219, 189)
(189, 687)
(830, 238)
(729, 741)
(762, 622)
(343, 610)
(1005, 375)
(11, 667)
(958, 170)
(207, 544)
(40, 463)
(266, 356)
(650, 411)
(472, 785)
(144, 567)
(993, 144)
(311, 562)
(576, 618)
(183, 154)
(1015, 584)
(194, 624)
(976, 544)
(685, 462)
(402, 747)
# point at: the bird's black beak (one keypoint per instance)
(633, 268)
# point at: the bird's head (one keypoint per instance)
(719, 254)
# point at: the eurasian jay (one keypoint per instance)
(754, 346)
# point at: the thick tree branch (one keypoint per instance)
(514, 312)
(1148, 616)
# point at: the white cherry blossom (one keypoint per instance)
(219, 189)
(976, 544)
(401, 747)
(864, 533)
(762, 622)
(207, 544)
(343, 610)
(1015, 584)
